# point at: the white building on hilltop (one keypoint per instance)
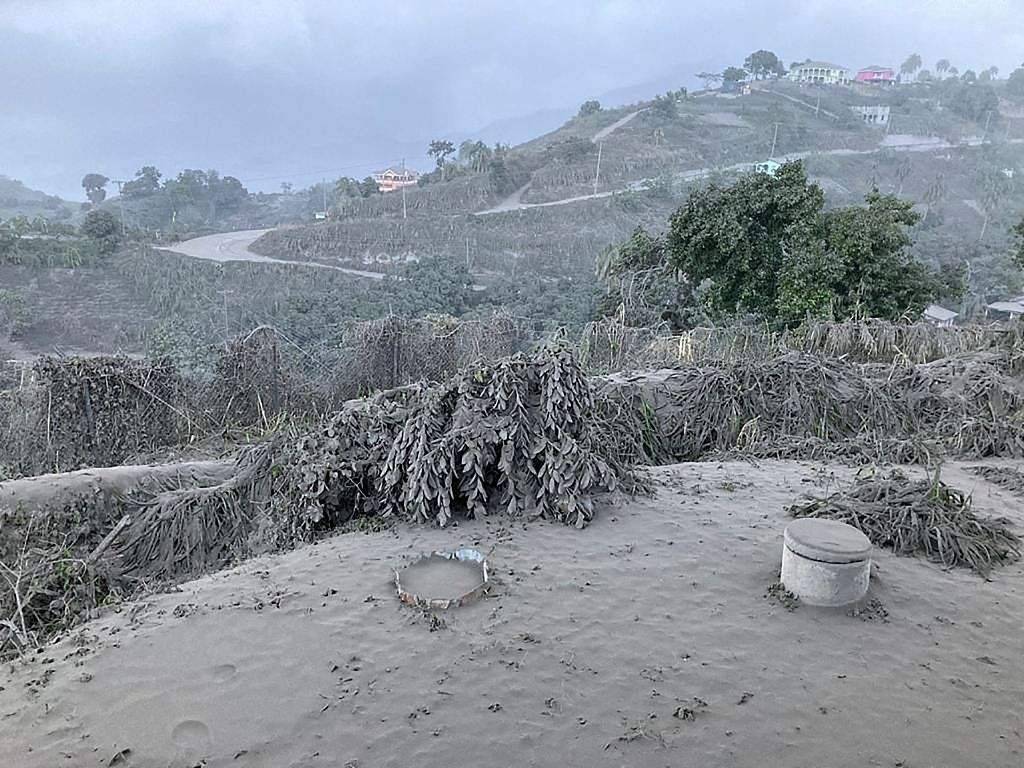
(820, 73)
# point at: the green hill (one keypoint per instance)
(18, 200)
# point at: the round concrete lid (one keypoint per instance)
(826, 540)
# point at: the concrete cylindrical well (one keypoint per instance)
(825, 562)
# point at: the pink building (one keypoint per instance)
(876, 75)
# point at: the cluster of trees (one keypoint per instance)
(471, 157)
(44, 242)
(760, 65)
(1015, 84)
(201, 196)
(766, 247)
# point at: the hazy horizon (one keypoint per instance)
(294, 90)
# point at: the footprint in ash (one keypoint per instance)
(191, 736)
(224, 672)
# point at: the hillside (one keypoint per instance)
(524, 223)
(548, 212)
(18, 200)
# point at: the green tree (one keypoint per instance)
(971, 101)
(711, 79)
(736, 237)
(589, 108)
(145, 183)
(368, 187)
(911, 65)
(103, 229)
(766, 246)
(94, 185)
(475, 154)
(441, 150)
(763, 64)
(734, 74)
(1015, 84)
(864, 267)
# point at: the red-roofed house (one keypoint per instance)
(876, 75)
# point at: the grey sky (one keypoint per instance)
(272, 90)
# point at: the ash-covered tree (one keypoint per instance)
(1015, 84)
(94, 185)
(103, 229)
(972, 101)
(737, 236)
(942, 66)
(591, 107)
(734, 74)
(1018, 243)
(765, 246)
(860, 266)
(368, 187)
(441, 150)
(764, 64)
(710, 79)
(643, 288)
(911, 65)
(145, 183)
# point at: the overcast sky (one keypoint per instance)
(273, 90)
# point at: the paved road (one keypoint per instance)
(514, 202)
(234, 246)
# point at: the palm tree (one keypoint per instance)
(934, 195)
(911, 65)
(942, 67)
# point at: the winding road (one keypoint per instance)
(893, 143)
(234, 246)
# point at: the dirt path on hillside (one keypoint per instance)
(645, 639)
(608, 130)
(234, 246)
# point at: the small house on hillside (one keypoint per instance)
(874, 115)
(389, 179)
(820, 73)
(771, 167)
(937, 315)
(875, 75)
(1011, 309)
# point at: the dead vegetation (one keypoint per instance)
(524, 435)
(919, 517)
(1005, 477)
(517, 437)
(802, 406)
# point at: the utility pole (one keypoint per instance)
(987, 121)
(120, 200)
(224, 292)
(467, 251)
(405, 212)
(774, 140)
(323, 183)
(817, 107)
(597, 174)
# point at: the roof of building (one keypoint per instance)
(935, 312)
(876, 68)
(407, 172)
(1011, 307)
(818, 65)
